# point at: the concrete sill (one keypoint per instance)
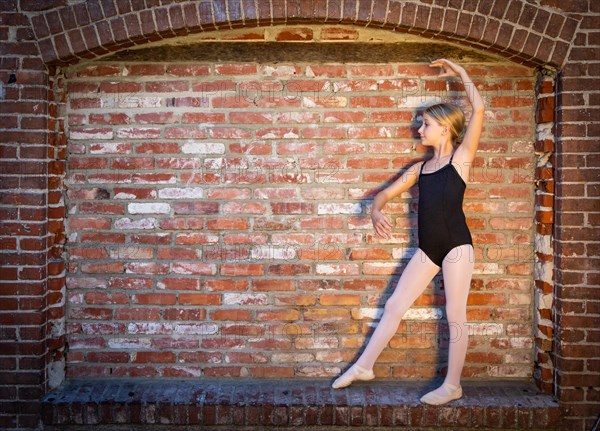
(136, 404)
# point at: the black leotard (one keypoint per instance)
(442, 223)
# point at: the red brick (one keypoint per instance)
(137, 314)
(294, 34)
(371, 102)
(154, 298)
(154, 357)
(199, 299)
(235, 69)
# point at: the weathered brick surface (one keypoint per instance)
(276, 188)
(299, 403)
(32, 147)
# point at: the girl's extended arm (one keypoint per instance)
(467, 149)
(381, 223)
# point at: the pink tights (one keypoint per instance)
(457, 269)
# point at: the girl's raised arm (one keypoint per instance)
(468, 147)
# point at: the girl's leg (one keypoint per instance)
(413, 281)
(457, 270)
(457, 281)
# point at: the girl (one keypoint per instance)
(444, 239)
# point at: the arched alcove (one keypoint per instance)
(218, 188)
(534, 35)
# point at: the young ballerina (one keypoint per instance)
(444, 238)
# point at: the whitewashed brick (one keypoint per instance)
(545, 302)
(105, 328)
(203, 148)
(279, 358)
(375, 268)
(131, 253)
(519, 298)
(544, 271)
(75, 298)
(415, 313)
(486, 329)
(511, 370)
(487, 268)
(150, 328)
(272, 253)
(181, 193)
(515, 343)
(139, 102)
(107, 177)
(317, 371)
(129, 343)
(245, 299)
(77, 134)
(109, 148)
(189, 268)
(518, 358)
(138, 132)
(86, 343)
(404, 252)
(56, 373)
(543, 244)
(169, 180)
(335, 269)
(214, 163)
(57, 328)
(196, 329)
(145, 223)
(187, 371)
(424, 313)
(257, 358)
(328, 100)
(343, 86)
(287, 135)
(544, 132)
(317, 342)
(86, 283)
(278, 71)
(342, 208)
(328, 357)
(340, 238)
(149, 208)
(407, 101)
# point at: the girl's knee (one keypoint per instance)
(394, 305)
(390, 305)
(456, 314)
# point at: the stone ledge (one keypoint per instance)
(222, 404)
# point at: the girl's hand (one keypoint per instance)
(381, 223)
(449, 68)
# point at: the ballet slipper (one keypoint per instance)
(450, 392)
(355, 372)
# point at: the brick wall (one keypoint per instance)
(543, 243)
(24, 238)
(218, 218)
(36, 36)
(577, 210)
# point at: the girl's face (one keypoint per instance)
(432, 132)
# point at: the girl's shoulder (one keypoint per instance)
(418, 167)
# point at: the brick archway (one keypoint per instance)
(59, 33)
(523, 32)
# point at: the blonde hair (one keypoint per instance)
(450, 115)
